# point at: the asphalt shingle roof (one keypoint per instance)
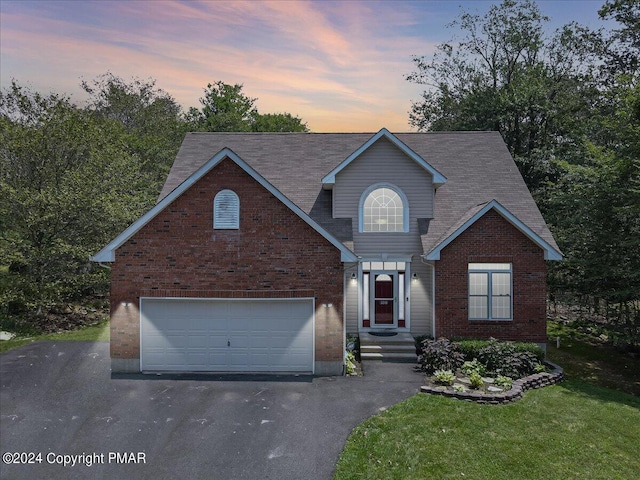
(477, 165)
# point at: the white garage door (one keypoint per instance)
(193, 335)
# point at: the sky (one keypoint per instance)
(338, 65)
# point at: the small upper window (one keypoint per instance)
(226, 211)
(384, 210)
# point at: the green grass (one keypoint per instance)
(587, 358)
(572, 430)
(585, 427)
(94, 333)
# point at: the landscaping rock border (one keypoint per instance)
(537, 380)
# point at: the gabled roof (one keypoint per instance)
(107, 254)
(438, 178)
(477, 166)
(474, 214)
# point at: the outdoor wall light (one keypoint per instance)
(353, 276)
(414, 276)
(126, 304)
(327, 305)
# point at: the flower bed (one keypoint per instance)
(537, 380)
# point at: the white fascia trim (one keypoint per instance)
(107, 254)
(438, 178)
(550, 253)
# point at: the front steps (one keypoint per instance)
(397, 348)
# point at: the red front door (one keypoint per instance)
(384, 299)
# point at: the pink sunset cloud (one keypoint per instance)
(318, 61)
(340, 66)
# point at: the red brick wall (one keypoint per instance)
(273, 254)
(492, 239)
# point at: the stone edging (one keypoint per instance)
(537, 380)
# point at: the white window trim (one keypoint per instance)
(232, 223)
(364, 312)
(489, 295)
(405, 207)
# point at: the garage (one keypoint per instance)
(226, 335)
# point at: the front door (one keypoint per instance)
(384, 288)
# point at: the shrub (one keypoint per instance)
(506, 358)
(470, 348)
(540, 368)
(504, 382)
(439, 354)
(419, 339)
(532, 348)
(473, 366)
(476, 380)
(349, 362)
(445, 377)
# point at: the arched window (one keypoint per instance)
(383, 208)
(226, 211)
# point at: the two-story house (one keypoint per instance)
(265, 249)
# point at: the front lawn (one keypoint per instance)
(571, 430)
(589, 358)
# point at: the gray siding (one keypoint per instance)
(421, 301)
(384, 163)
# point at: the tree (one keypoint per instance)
(504, 75)
(622, 48)
(68, 184)
(150, 116)
(568, 107)
(494, 51)
(225, 108)
(278, 122)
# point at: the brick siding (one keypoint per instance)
(492, 239)
(274, 254)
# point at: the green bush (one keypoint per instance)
(419, 339)
(350, 365)
(540, 368)
(445, 377)
(508, 359)
(471, 348)
(476, 380)
(495, 357)
(474, 365)
(439, 354)
(532, 348)
(504, 382)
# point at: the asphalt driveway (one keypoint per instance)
(58, 401)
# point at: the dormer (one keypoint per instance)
(329, 180)
(383, 186)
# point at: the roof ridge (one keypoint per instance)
(443, 132)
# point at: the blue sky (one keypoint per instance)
(340, 66)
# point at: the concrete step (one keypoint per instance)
(394, 356)
(389, 347)
(399, 348)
